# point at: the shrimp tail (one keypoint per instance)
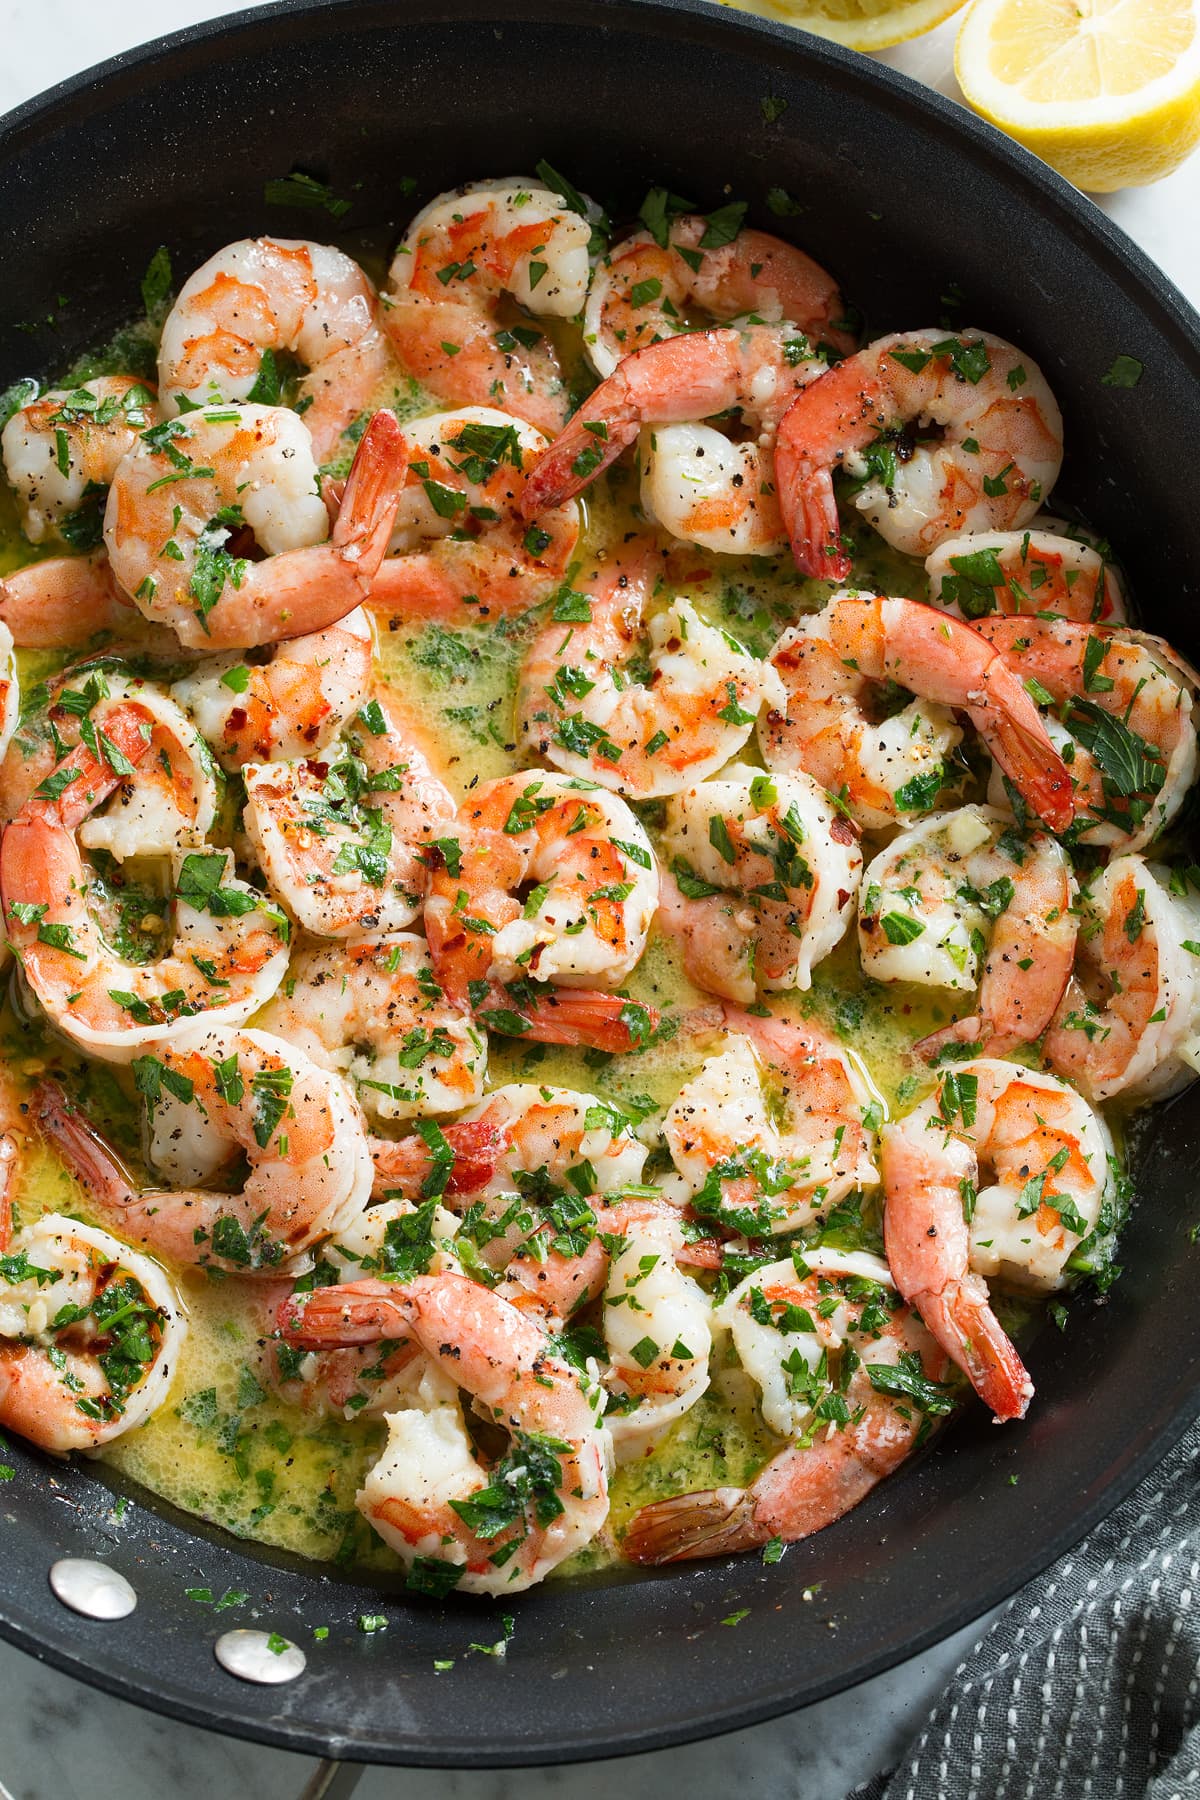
(405, 1164)
(1011, 726)
(89, 1158)
(712, 1522)
(579, 455)
(359, 1312)
(813, 526)
(968, 1330)
(804, 482)
(599, 1020)
(978, 1034)
(972, 1030)
(686, 377)
(368, 510)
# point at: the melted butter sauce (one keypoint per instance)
(225, 1448)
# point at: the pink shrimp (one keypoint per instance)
(461, 549)
(993, 459)
(645, 291)
(419, 1495)
(264, 295)
(169, 519)
(827, 663)
(222, 1093)
(871, 1423)
(65, 601)
(482, 943)
(472, 267)
(930, 1166)
(680, 380)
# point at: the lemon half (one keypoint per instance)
(859, 24)
(1108, 91)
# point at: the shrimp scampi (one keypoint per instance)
(1129, 1018)
(1032, 571)
(90, 1335)
(475, 268)
(696, 482)
(941, 435)
(963, 900)
(497, 1529)
(193, 485)
(460, 548)
(848, 1374)
(886, 768)
(592, 871)
(1001, 1172)
(263, 299)
(587, 704)
(776, 1128)
(763, 876)
(215, 1096)
(228, 948)
(342, 837)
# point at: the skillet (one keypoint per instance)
(909, 201)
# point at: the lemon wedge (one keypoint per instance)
(859, 24)
(1107, 91)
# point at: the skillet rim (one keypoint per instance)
(100, 88)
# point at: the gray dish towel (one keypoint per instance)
(1087, 1687)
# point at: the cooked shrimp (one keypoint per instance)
(393, 1239)
(165, 801)
(764, 873)
(992, 455)
(1129, 1016)
(1123, 717)
(1000, 1173)
(548, 1147)
(215, 1096)
(429, 1496)
(190, 485)
(262, 297)
(64, 447)
(657, 1332)
(461, 549)
(373, 1010)
(584, 921)
(90, 1335)
(462, 257)
(644, 291)
(229, 950)
(340, 840)
(64, 601)
(777, 1126)
(582, 858)
(1025, 572)
(289, 706)
(582, 706)
(696, 482)
(827, 664)
(846, 1372)
(963, 891)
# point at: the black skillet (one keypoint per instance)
(909, 200)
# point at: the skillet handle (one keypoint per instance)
(329, 1781)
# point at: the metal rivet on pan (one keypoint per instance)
(92, 1588)
(259, 1656)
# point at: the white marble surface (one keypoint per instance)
(57, 1737)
